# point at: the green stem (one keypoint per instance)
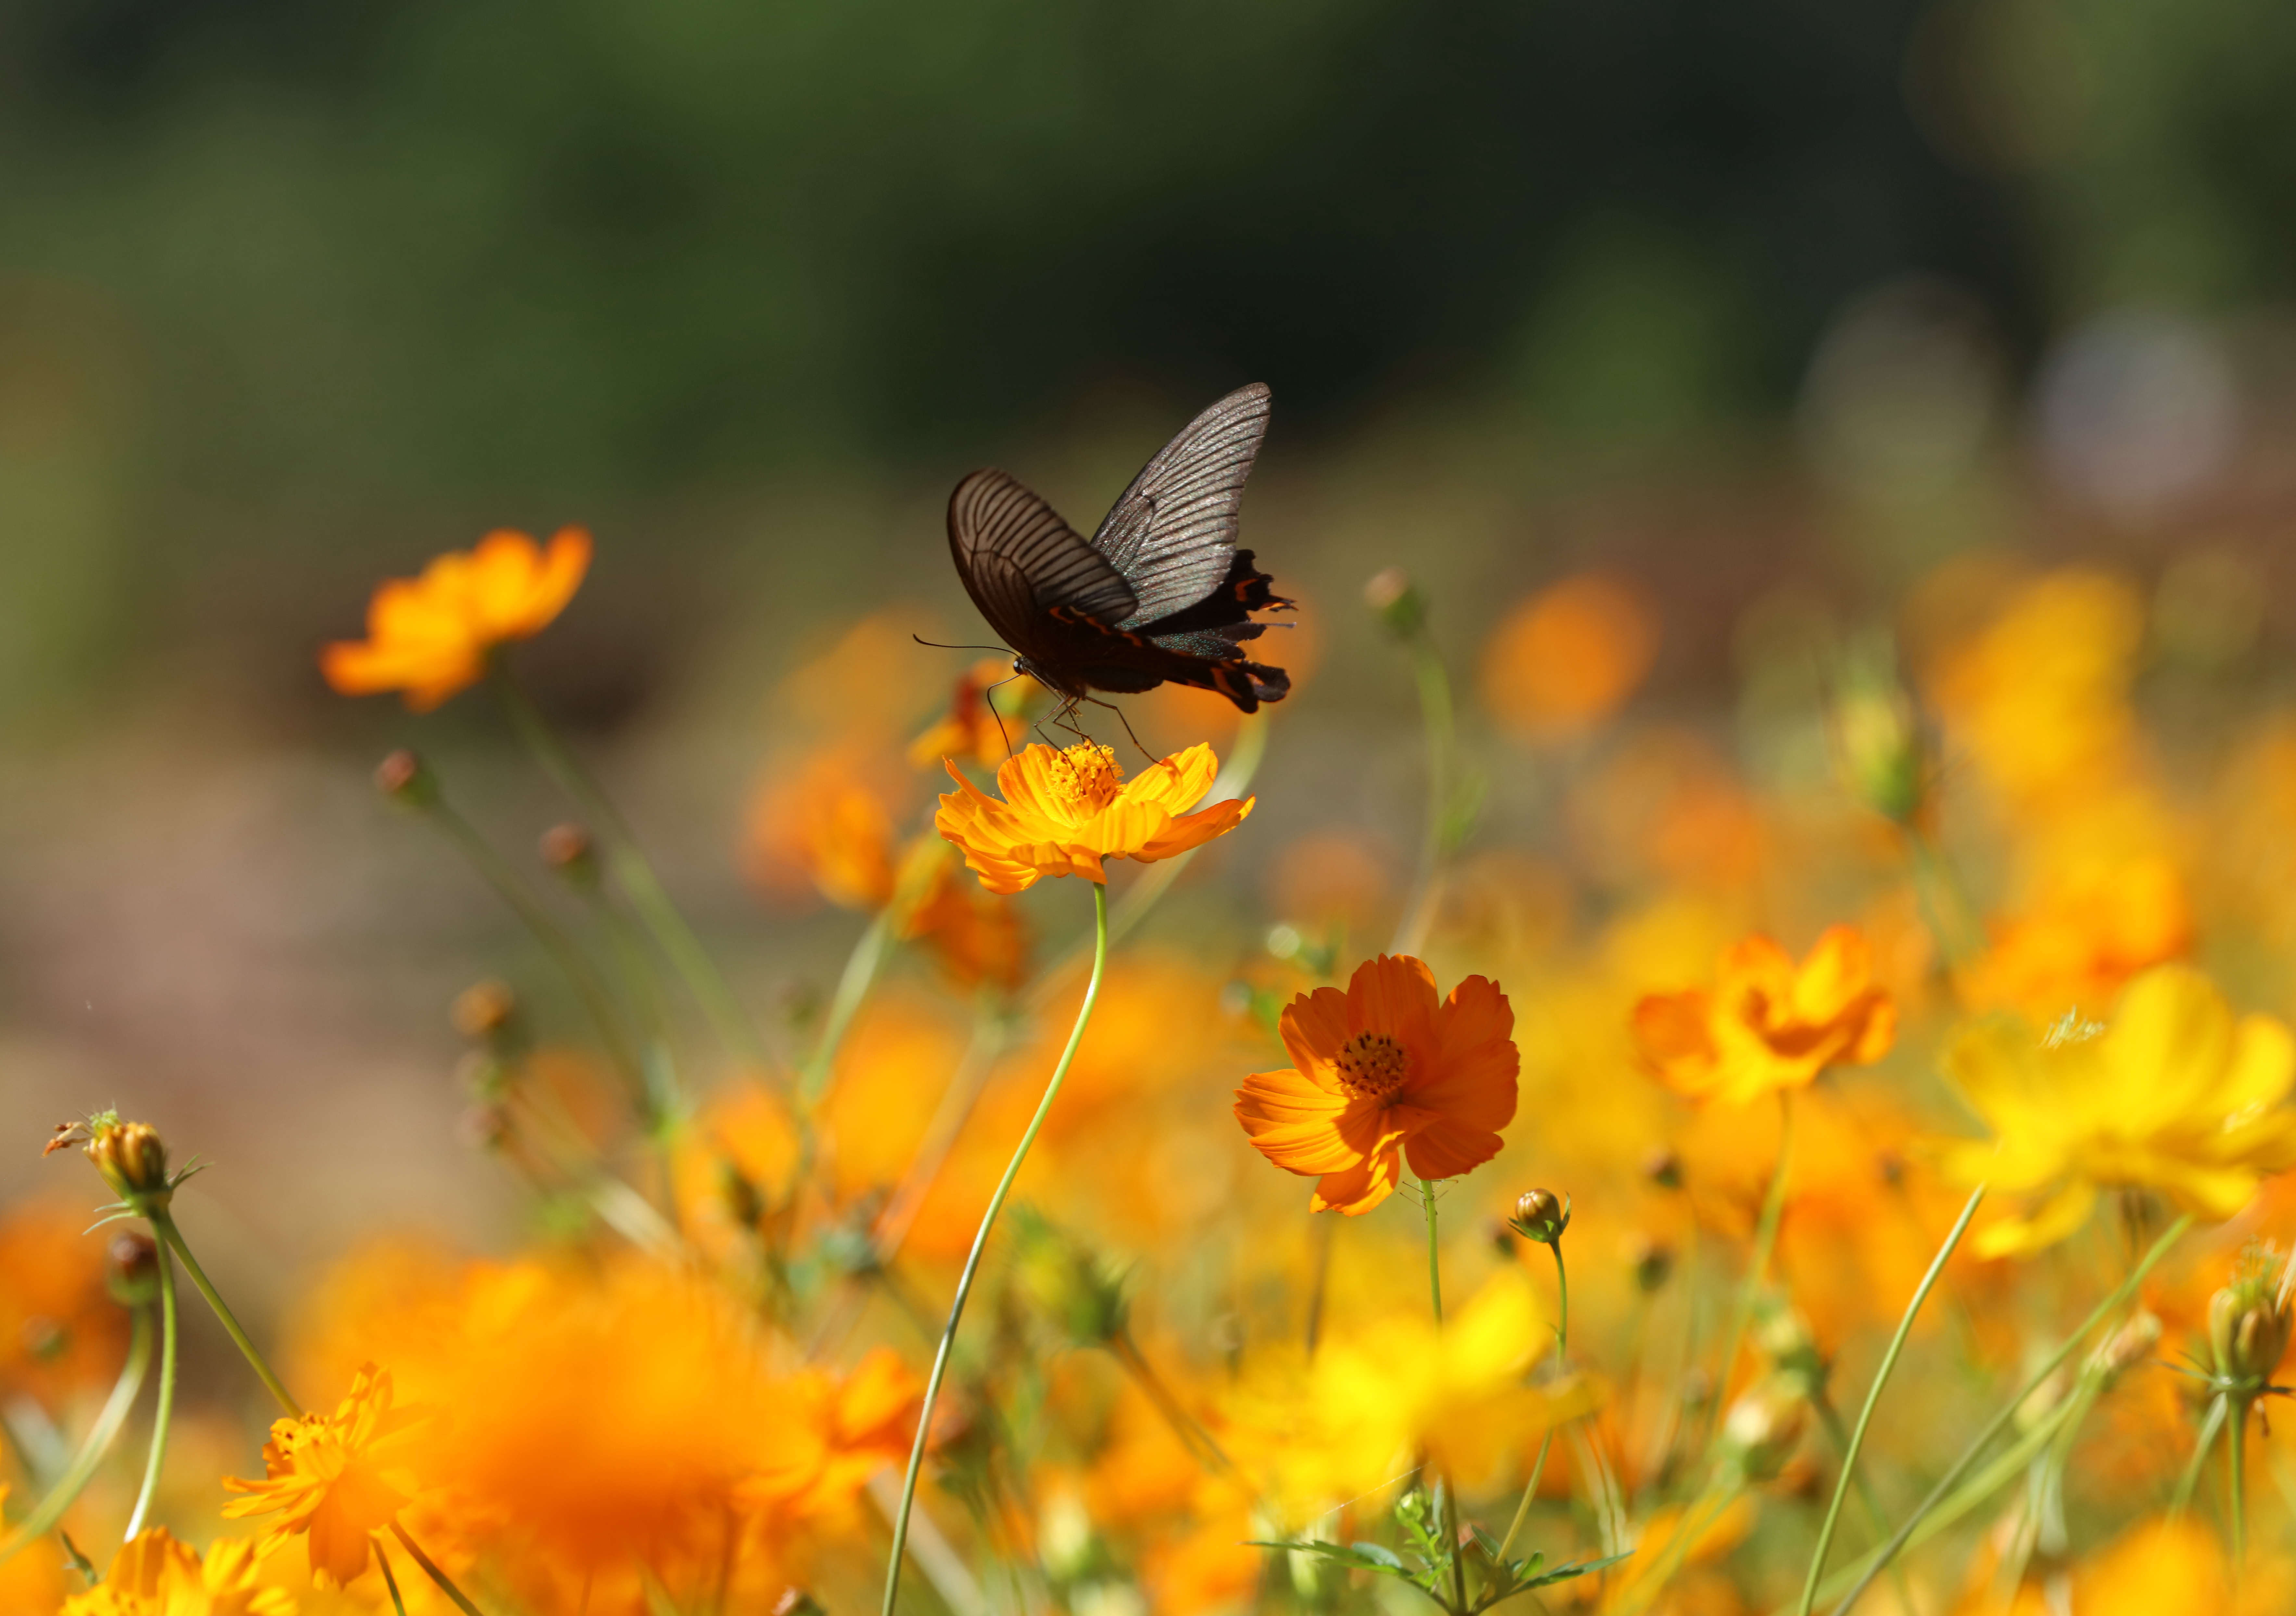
(389, 1581)
(569, 957)
(1148, 889)
(1758, 1266)
(1326, 1230)
(163, 1412)
(446, 1584)
(1436, 712)
(1434, 1266)
(2012, 1462)
(2201, 1448)
(2008, 1411)
(1184, 1425)
(108, 1421)
(1696, 1518)
(636, 876)
(164, 1222)
(980, 1244)
(861, 968)
(1546, 1437)
(2237, 1481)
(1874, 1397)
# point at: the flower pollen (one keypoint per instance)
(1083, 780)
(1372, 1066)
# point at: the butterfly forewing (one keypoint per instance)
(1019, 560)
(1172, 535)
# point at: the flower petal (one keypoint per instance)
(1395, 995)
(1175, 784)
(1295, 1123)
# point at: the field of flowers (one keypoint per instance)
(1839, 1177)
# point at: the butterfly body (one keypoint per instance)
(1160, 594)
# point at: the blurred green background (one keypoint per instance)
(1735, 299)
(318, 289)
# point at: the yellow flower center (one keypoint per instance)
(1372, 1066)
(1084, 779)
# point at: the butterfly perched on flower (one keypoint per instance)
(1160, 594)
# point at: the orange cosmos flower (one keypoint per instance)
(1564, 660)
(1067, 810)
(59, 1330)
(1767, 1023)
(429, 637)
(831, 1436)
(155, 1575)
(322, 1474)
(1384, 1072)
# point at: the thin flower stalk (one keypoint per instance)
(1758, 1266)
(1546, 1437)
(163, 1224)
(636, 876)
(1944, 1487)
(2211, 1426)
(1406, 615)
(164, 1410)
(980, 1243)
(566, 954)
(94, 1448)
(1874, 1397)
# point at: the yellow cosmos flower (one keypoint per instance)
(1383, 1073)
(1767, 1023)
(323, 1475)
(156, 1576)
(2176, 1096)
(429, 637)
(1375, 1397)
(1064, 810)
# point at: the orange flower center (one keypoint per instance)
(1372, 1066)
(1084, 779)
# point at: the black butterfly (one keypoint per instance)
(1161, 593)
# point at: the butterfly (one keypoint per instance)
(1160, 594)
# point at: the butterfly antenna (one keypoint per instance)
(937, 645)
(988, 700)
(1120, 719)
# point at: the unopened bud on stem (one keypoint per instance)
(131, 1268)
(406, 779)
(1540, 1215)
(568, 849)
(1391, 593)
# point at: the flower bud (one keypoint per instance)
(1764, 1427)
(1663, 1167)
(568, 849)
(1784, 1338)
(133, 1159)
(744, 1202)
(406, 779)
(1391, 593)
(1878, 748)
(131, 1268)
(1540, 1215)
(485, 1127)
(1067, 1282)
(1652, 1261)
(2127, 1347)
(484, 1009)
(2249, 1326)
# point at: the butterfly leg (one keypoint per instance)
(1120, 719)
